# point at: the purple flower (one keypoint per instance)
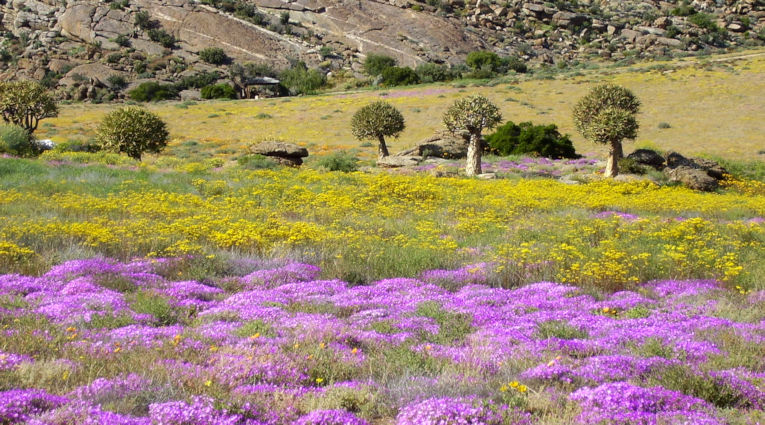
(330, 417)
(17, 405)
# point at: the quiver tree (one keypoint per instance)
(606, 115)
(132, 130)
(376, 121)
(25, 103)
(472, 114)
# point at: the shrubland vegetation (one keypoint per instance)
(204, 291)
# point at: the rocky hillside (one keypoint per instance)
(97, 49)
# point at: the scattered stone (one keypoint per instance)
(285, 153)
(441, 145)
(693, 178)
(398, 161)
(647, 157)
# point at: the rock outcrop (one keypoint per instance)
(284, 153)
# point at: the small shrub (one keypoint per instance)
(525, 138)
(213, 55)
(664, 125)
(483, 60)
(198, 80)
(256, 162)
(703, 20)
(301, 80)
(15, 140)
(150, 303)
(629, 165)
(559, 329)
(433, 72)
(117, 82)
(122, 40)
(153, 92)
(375, 64)
(325, 52)
(339, 161)
(162, 37)
(132, 130)
(399, 76)
(143, 21)
(284, 18)
(452, 327)
(114, 58)
(218, 91)
(263, 116)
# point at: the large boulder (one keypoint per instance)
(285, 153)
(441, 145)
(711, 167)
(647, 157)
(398, 161)
(693, 178)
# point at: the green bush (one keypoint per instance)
(198, 80)
(143, 21)
(132, 130)
(525, 138)
(629, 165)
(162, 37)
(483, 59)
(256, 162)
(90, 146)
(301, 80)
(15, 140)
(703, 20)
(432, 72)
(153, 92)
(218, 91)
(339, 161)
(213, 55)
(117, 82)
(375, 64)
(399, 76)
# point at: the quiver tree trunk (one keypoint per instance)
(382, 148)
(473, 166)
(614, 155)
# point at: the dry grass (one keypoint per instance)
(713, 106)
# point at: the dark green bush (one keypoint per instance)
(339, 161)
(483, 59)
(213, 55)
(683, 10)
(198, 80)
(162, 37)
(78, 146)
(629, 165)
(514, 63)
(301, 80)
(524, 138)
(15, 140)
(703, 20)
(399, 76)
(143, 20)
(117, 82)
(153, 92)
(375, 64)
(218, 91)
(122, 40)
(432, 72)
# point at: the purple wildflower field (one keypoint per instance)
(98, 341)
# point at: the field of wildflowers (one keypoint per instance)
(191, 290)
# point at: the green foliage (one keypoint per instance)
(122, 40)
(524, 138)
(132, 130)
(25, 103)
(198, 80)
(15, 140)
(399, 76)
(339, 161)
(703, 20)
(256, 162)
(432, 72)
(213, 55)
(284, 18)
(559, 329)
(117, 82)
(375, 64)
(145, 302)
(301, 80)
(255, 327)
(218, 91)
(702, 385)
(143, 21)
(452, 327)
(683, 10)
(325, 52)
(607, 114)
(153, 92)
(473, 114)
(162, 37)
(376, 120)
(629, 165)
(483, 59)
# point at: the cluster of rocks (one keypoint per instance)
(442, 145)
(695, 173)
(59, 36)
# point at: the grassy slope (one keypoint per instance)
(713, 105)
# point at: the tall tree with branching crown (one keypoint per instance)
(472, 114)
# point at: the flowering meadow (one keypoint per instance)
(105, 342)
(132, 294)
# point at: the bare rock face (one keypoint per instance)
(647, 157)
